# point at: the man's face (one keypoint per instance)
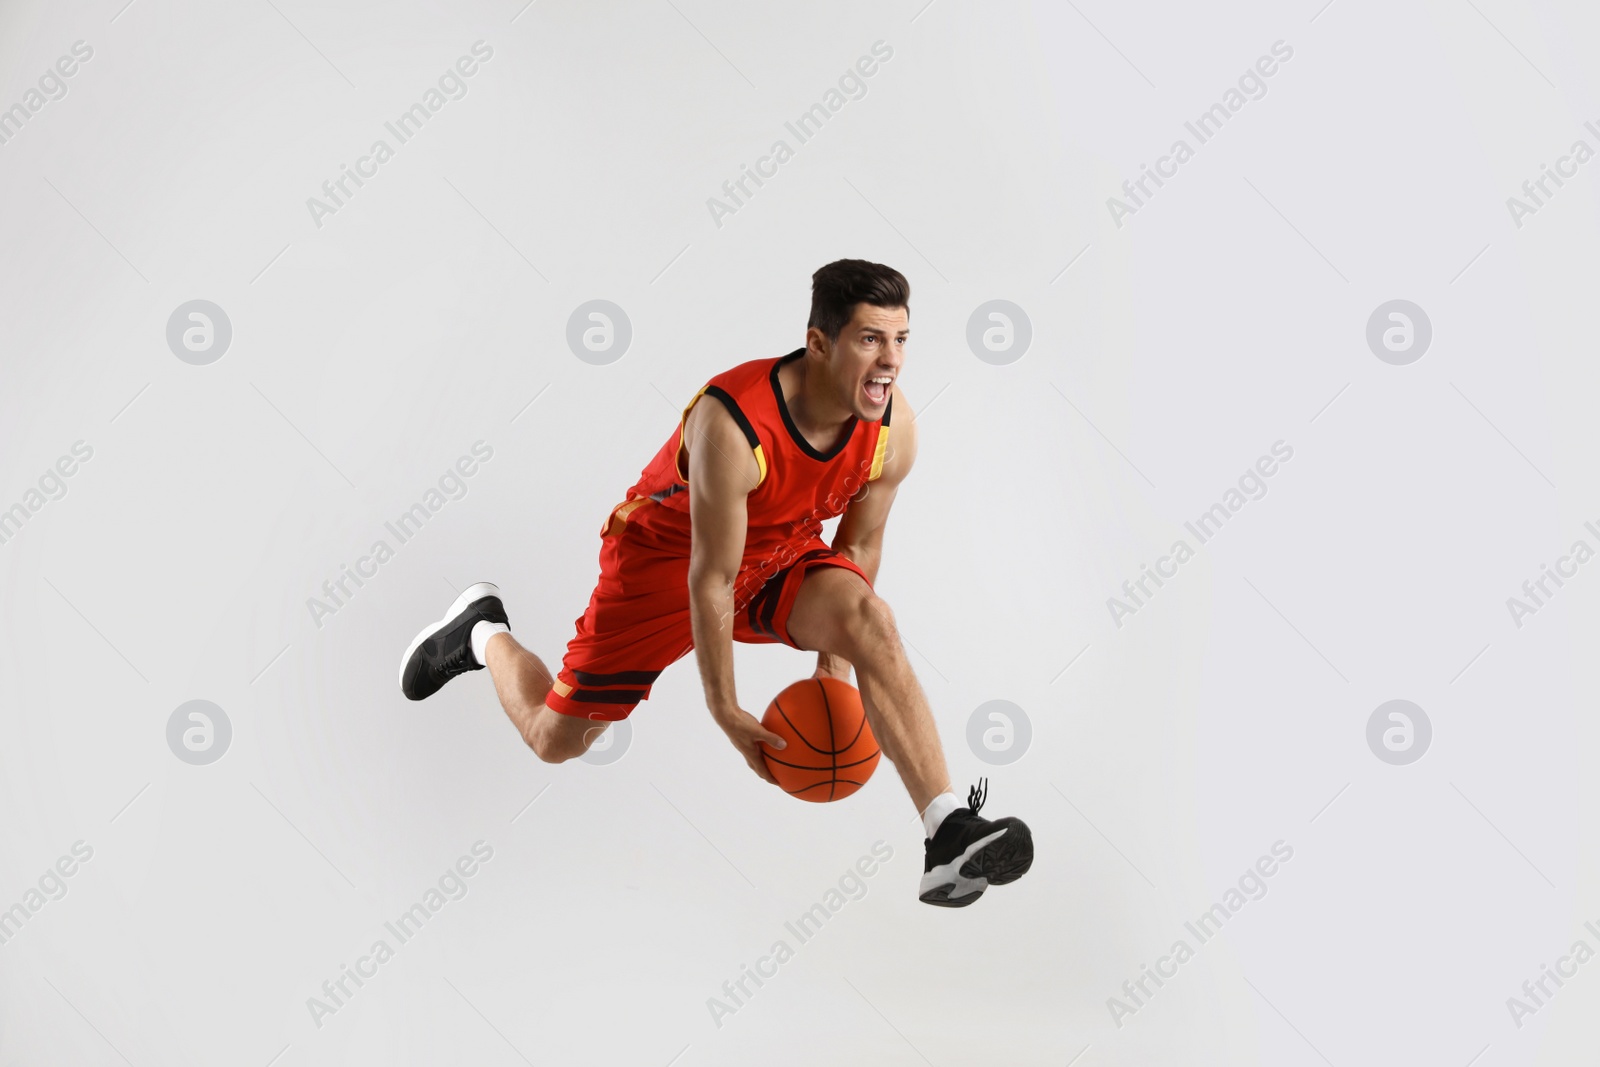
(866, 359)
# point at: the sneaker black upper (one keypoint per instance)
(969, 853)
(447, 650)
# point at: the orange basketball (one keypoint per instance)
(831, 749)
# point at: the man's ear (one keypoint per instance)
(817, 341)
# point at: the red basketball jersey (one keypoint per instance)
(800, 486)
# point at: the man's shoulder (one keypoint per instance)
(900, 408)
(901, 452)
(727, 435)
(744, 390)
(717, 420)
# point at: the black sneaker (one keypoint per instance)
(444, 649)
(969, 854)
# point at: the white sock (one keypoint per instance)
(481, 632)
(934, 813)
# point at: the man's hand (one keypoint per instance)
(748, 735)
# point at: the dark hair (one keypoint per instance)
(837, 288)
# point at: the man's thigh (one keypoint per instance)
(828, 598)
(636, 625)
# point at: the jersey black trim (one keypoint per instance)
(738, 416)
(788, 420)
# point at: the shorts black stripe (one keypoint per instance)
(671, 490)
(606, 696)
(758, 604)
(770, 609)
(619, 678)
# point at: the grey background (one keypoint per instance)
(1167, 355)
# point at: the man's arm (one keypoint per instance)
(860, 534)
(722, 472)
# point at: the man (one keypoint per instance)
(719, 540)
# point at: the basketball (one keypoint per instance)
(831, 751)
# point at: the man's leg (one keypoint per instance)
(836, 611)
(474, 634)
(523, 682)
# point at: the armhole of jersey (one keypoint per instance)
(738, 417)
(883, 444)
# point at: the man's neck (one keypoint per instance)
(815, 413)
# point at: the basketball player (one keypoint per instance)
(719, 541)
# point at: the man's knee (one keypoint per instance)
(553, 750)
(557, 738)
(870, 630)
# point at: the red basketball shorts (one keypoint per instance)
(637, 623)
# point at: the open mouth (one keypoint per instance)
(877, 389)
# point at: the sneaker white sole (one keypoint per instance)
(948, 875)
(462, 603)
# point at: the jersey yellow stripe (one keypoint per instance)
(619, 515)
(877, 454)
(683, 422)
